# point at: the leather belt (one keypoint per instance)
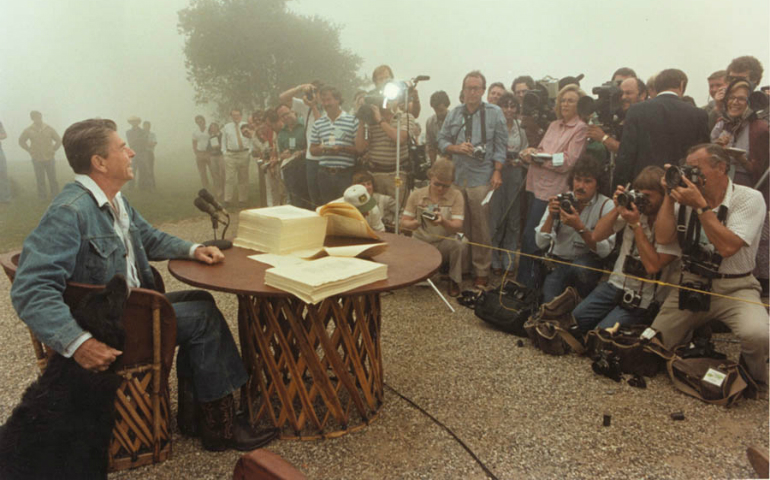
(731, 275)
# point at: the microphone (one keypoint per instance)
(208, 197)
(205, 207)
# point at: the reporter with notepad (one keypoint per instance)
(565, 140)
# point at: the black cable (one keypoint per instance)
(448, 430)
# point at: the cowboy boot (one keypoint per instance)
(187, 408)
(222, 429)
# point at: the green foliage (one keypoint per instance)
(244, 53)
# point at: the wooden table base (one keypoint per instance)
(315, 371)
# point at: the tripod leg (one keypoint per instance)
(441, 295)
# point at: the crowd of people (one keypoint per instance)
(41, 141)
(541, 174)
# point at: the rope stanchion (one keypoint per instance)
(601, 270)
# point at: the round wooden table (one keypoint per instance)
(315, 371)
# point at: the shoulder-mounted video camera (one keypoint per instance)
(539, 102)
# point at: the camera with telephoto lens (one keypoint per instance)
(675, 174)
(479, 152)
(625, 199)
(567, 201)
(701, 260)
(695, 301)
(634, 266)
(539, 102)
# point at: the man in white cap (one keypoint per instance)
(359, 197)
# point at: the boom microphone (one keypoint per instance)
(208, 197)
(421, 78)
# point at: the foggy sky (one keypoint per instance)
(85, 58)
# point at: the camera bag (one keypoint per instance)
(628, 344)
(507, 307)
(554, 336)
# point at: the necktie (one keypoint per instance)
(238, 136)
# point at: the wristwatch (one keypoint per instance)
(605, 137)
(582, 231)
(700, 211)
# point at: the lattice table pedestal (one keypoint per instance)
(315, 371)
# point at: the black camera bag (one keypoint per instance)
(630, 348)
(508, 308)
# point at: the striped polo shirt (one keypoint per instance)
(341, 131)
(382, 149)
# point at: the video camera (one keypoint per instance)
(539, 102)
(364, 113)
(606, 107)
(675, 174)
(625, 199)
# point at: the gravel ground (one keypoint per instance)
(523, 413)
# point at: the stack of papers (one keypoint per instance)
(280, 230)
(313, 281)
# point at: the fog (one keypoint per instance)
(84, 58)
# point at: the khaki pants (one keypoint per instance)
(476, 228)
(237, 175)
(749, 322)
(451, 252)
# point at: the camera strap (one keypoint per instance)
(631, 252)
(469, 124)
(689, 236)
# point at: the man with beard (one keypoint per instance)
(565, 232)
(624, 299)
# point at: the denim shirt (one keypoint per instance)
(76, 241)
(470, 171)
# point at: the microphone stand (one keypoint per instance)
(221, 244)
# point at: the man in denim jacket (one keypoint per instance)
(90, 233)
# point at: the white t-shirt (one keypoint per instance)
(303, 111)
(202, 138)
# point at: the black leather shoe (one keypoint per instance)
(246, 438)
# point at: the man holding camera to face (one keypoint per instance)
(624, 299)
(717, 234)
(565, 231)
(476, 136)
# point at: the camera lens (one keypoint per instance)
(623, 199)
(628, 297)
(674, 177)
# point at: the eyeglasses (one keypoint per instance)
(733, 98)
(440, 185)
(568, 100)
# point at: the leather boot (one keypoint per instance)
(187, 409)
(561, 305)
(222, 429)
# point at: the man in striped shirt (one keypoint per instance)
(333, 140)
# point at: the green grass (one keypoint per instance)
(177, 185)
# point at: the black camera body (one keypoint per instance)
(567, 201)
(625, 199)
(675, 174)
(634, 266)
(695, 301)
(511, 155)
(701, 260)
(629, 299)
(419, 161)
(538, 105)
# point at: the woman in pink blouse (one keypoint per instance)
(565, 141)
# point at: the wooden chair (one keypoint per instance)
(142, 432)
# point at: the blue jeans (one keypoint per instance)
(505, 216)
(333, 183)
(572, 275)
(43, 169)
(529, 269)
(5, 186)
(311, 169)
(295, 178)
(600, 309)
(207, 351)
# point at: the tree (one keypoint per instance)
(244, 53)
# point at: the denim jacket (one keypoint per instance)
(75, 241)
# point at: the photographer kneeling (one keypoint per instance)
(717, 235)
(436, 212)
(566, 228)
(623, 299)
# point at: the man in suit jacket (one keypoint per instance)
(660, 130)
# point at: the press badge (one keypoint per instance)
(647, 334)
(714, 377)
(557, 160)
(292, 143)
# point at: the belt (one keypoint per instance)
(379, 170)
(334, 169)
(731, 275)
(237, 151)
